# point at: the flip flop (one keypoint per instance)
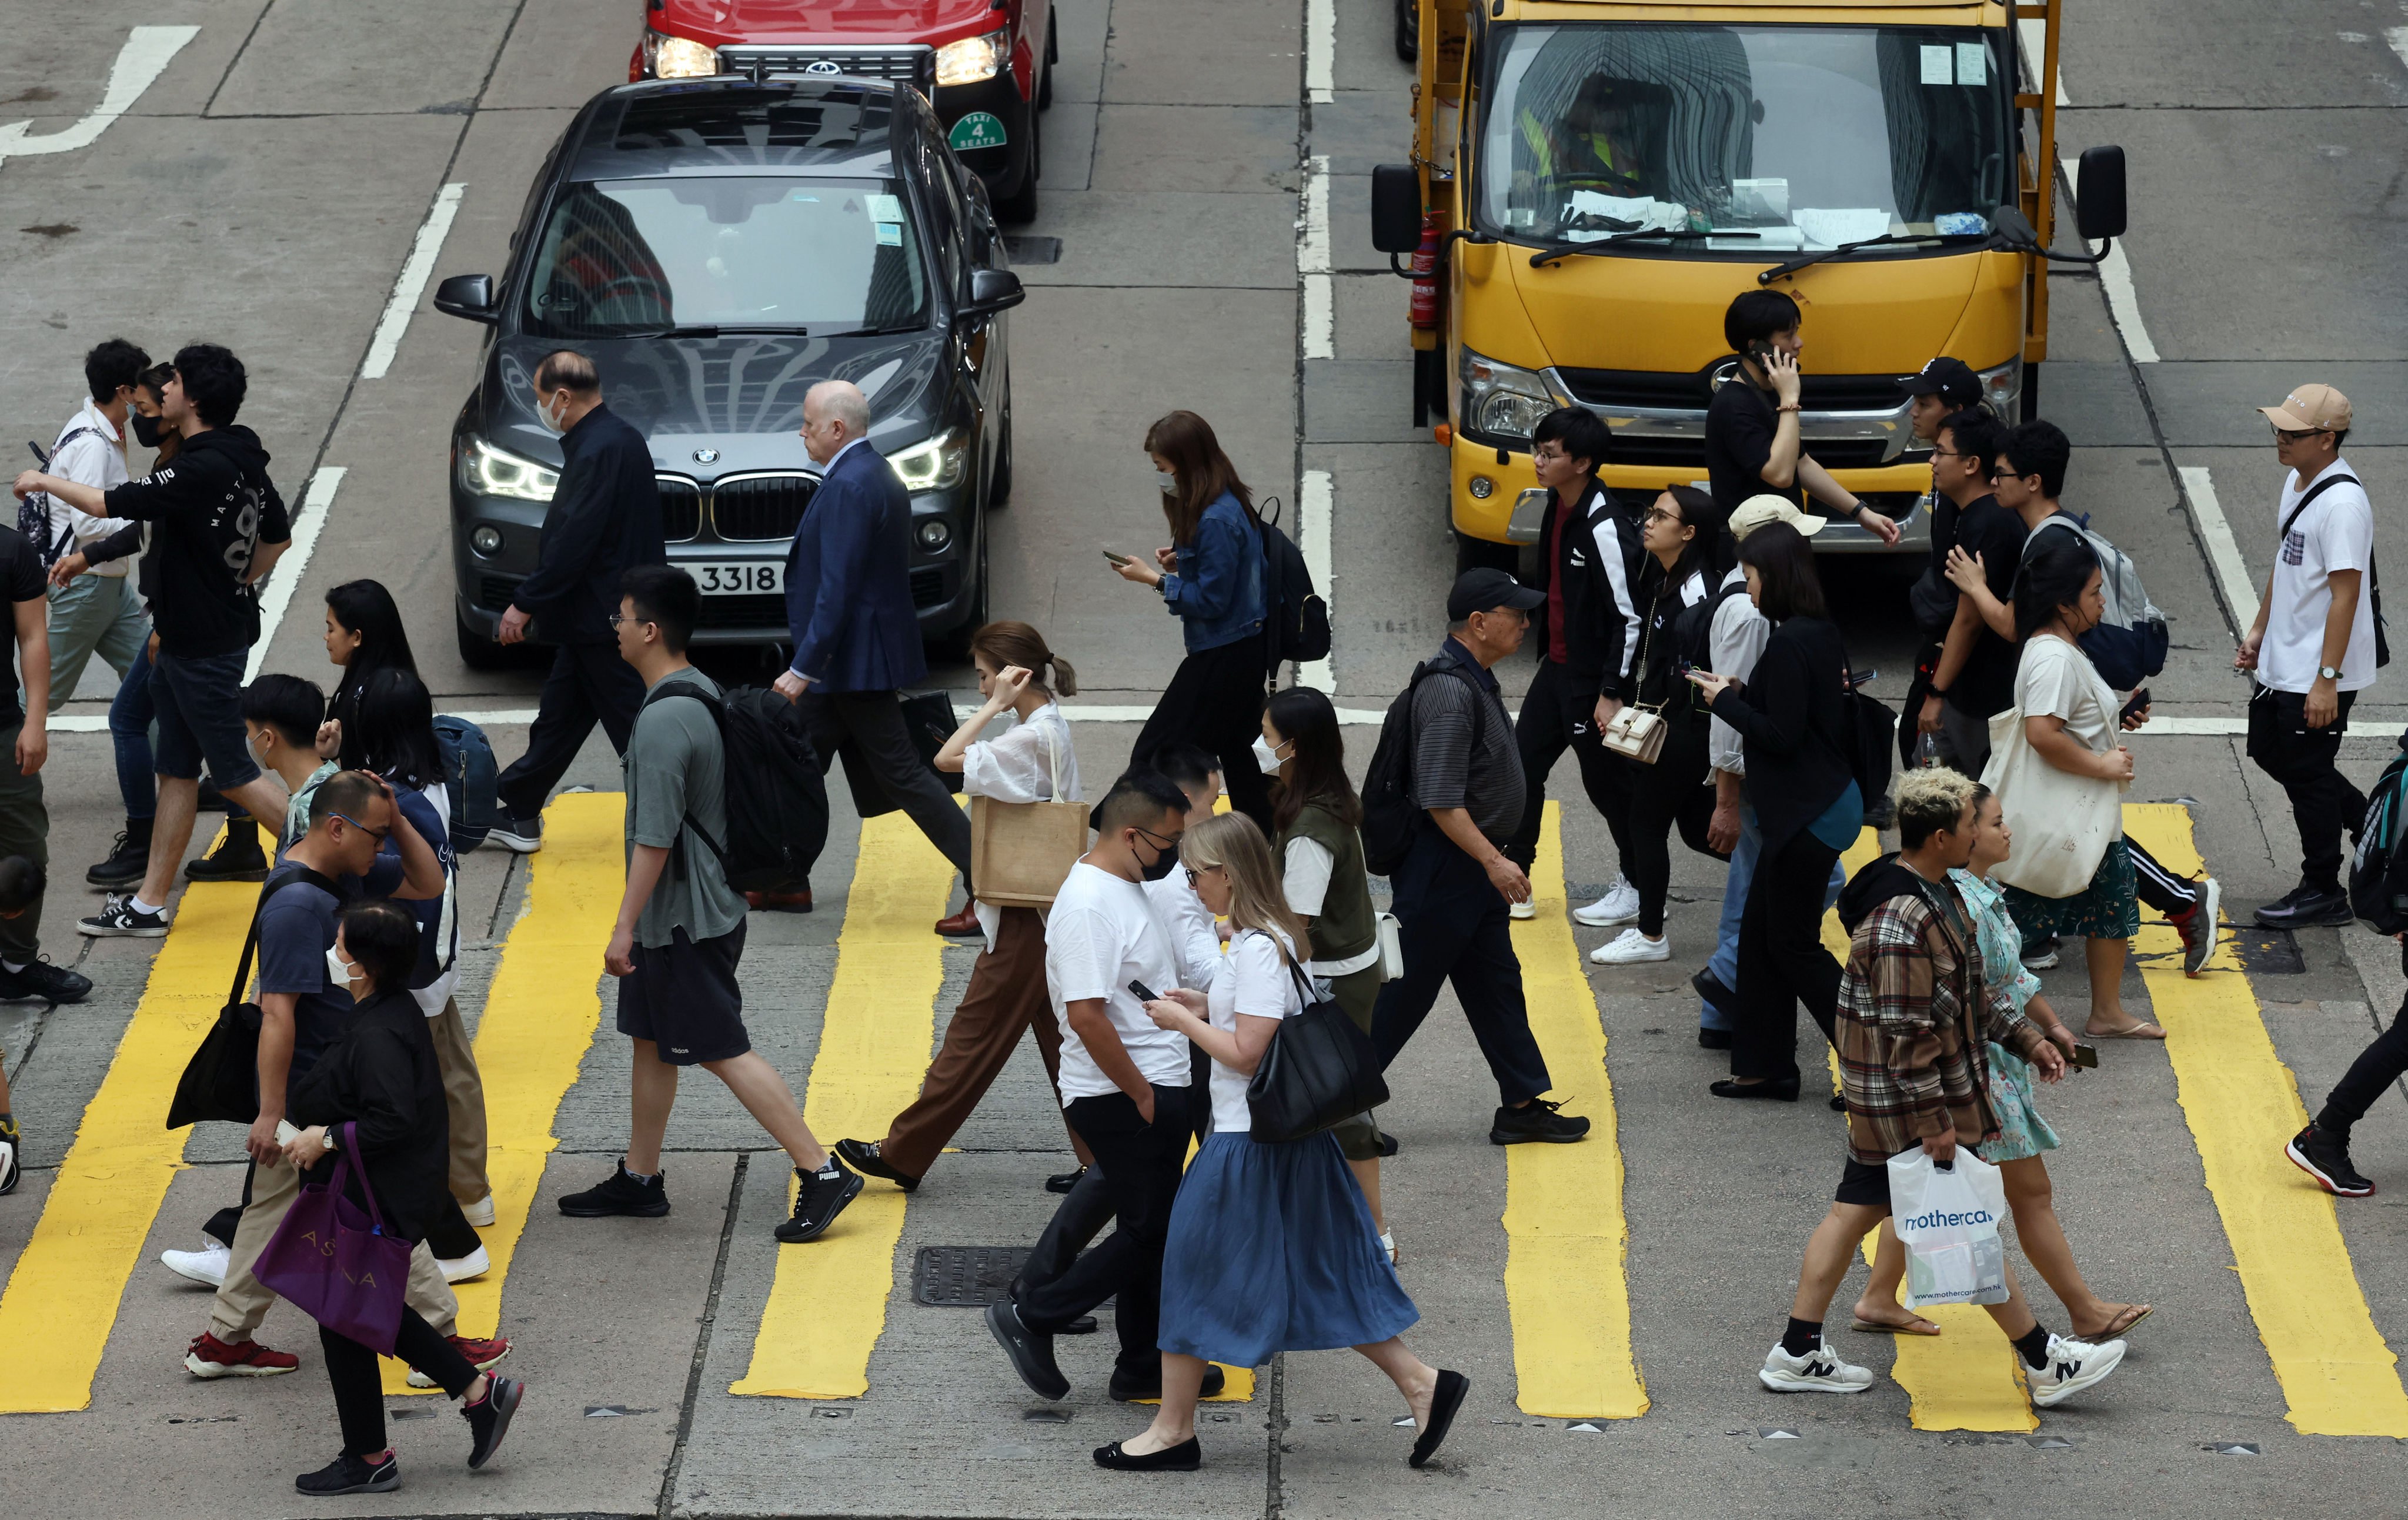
(2154, 1030)
(1868, 1327)
(2116, 1331)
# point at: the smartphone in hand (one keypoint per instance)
(2131, 708)
(1116, 561)
(2086, 1056)
(1142, 993)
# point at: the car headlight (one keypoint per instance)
(679, 58)
(2003, 387)
(973, 58)
(1500, 400)
(496, 472)
(932, 465)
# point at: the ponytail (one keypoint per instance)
(1009, 643)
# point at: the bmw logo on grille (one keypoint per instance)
(705, 456)
(822, 66)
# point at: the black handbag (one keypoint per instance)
(1871, 735)
(1318, 1071)
(930, 716)
(222, 1080)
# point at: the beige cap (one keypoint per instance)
(1756, 511)
(2311, 409)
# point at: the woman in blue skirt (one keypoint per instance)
(1272, 1246)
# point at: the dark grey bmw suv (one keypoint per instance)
(717, 247)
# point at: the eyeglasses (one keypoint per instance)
(2000, 472)
(1657, 514)
(2285, 435)
(1157, 840)
(380, 835)
(615, 619)
(1951, 453)
(1195, 874)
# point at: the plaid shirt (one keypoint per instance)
(1914, 1008)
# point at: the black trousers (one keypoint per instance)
(588, 683)
(2160, 888)
(869, 728)
(2377, 1067)
(359, 1387)
(1080, 1216)
(1559, 713)
(1141, 1163)
(1215, 702)
(2302, 760)
(1671, 792)
(1455, 929)
(1782, 961)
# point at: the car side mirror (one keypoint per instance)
(469, 297)
(992, 290)
(2014, 230)
(1396, 208)
(2099, 193)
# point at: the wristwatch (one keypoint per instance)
(2327, 672)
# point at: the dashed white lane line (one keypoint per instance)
(1314, 522)
(2115, 277)
(277, 595)
(1319, 321)
(1320, 48)
(2223, 550)
(412, 283)
(145, 56)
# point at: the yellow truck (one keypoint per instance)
(1593, 180)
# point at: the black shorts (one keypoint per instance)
(1867, 1182)
(683, 997)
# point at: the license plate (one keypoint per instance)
(737, 578)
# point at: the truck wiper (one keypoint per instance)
(1548, 256)
(723, 330)
(1886, 240)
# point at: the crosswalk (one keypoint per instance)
(1566, 1231)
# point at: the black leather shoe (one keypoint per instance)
(128, 860)
(1536, 1120)
(1452, 1386)
(1388, 1146)
(1031, 1353)
(238, 859)
(1710, 987)
(1714, 1040)
(2305, 907)
(1785, 1090)
(1184, 1458)
(1839, 1104)
(1128, 1390)
(1063, 1182)
(863, 1157)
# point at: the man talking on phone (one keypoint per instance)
(1752, 425)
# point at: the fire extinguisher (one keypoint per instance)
(1424, 308)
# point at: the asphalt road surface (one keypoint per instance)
(1610, 1301)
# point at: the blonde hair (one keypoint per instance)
(1232, 841)
(1931, 798)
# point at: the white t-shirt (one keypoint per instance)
(2056, 679)
(1103, 934)
(1019, 766)
(2335, 533)
(1194, 942)
(1735, 641)
(1309, 868)
(1253, 980)
(96, 459)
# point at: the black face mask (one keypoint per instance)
(148, 431)
(1163, 866)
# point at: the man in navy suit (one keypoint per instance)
(856, 636)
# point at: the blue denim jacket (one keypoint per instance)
(1217, 595)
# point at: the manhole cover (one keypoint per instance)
(965, 1276)
(2269, 952)
(1024, 250)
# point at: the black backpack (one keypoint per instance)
(1693, 636)
(2378, 874)
(776, 800)
(1296, 621)
(1391, 817)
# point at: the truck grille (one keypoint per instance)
(1631, 389)
(760, 508)
(909, 65)
(1690, 453)
(681, 507)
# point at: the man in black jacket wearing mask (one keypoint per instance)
(605, 520)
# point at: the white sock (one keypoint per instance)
(13, 968)
(137, 903)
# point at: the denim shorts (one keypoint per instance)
(198, 704)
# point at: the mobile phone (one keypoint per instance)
(2085, 1054)
(1144, 994)
(285, 1133)
(2140, 699)
(1118, 559)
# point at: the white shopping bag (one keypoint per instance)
(1947, 1218)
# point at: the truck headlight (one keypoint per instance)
(933, 465)
(2004, 388)
(489, 471)
(1502, 400)
(679, 58)
(973, 58)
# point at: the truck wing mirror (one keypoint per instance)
(2099, 193)
(1396, 208)
(467, 295)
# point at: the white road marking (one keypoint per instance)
(1313, 523)
(1320, 321)
(1320, 47)
(2223, 550)
(2032, 37)
(277, 595)
(2397, 38)
(412, 283)
(2115, 277)
(140, 63)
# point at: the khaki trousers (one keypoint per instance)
(463, 1101)
(242, 1301)
(1007, 994)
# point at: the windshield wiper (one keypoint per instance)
(741, 329)
(1886, 240)
(883, 332)
(1546, 256)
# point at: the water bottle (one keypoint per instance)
(1927, 751)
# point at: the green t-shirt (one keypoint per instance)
(674, 771)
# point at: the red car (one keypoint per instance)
(987, 65)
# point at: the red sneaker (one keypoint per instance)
(481, 1354)
(209, 1358)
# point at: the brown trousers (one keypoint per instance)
(243, 1300)
(1007, 994)
(464, 1102)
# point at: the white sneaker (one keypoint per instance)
(1388, 1243)
(2072, 1366)
(479, 1213)
(1620, 905)
(1632, 948)
(1522, 910)
(460, 1268)
(1819, 1370)
(207, 1266)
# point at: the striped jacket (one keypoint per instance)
(1914, 1008)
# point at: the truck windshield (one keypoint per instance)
(1807, 137)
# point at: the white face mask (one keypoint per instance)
(1265, 756)
(554, 421)
(337, 968)
(1169, 482)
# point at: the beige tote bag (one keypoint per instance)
(1021, 853)
(2062, 823)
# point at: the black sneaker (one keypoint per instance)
(1031, 1353)
(2040, 952)
(129, 860)
(1714, 1040)
(2326, 1158)
(42, 983)
(350, 1475)
(1127, 1388)
(489, 1418)
(520, 836)
(119, 919)
(620, 1195)
(233, 860)
(863, 1157)
(819, 1198)
(2306, 906)
(1710, 988)
(1536, 1121)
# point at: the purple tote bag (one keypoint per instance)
(341, 1269)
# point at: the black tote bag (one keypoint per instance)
(222, 1080)
(1318, 1071)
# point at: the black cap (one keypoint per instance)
(1482, 591)
(1952, 380)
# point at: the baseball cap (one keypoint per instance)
(1952, 380)
(1756, 511)
(2311, 409)
(1482, 589)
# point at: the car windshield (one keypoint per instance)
(1807, 137)
(621, 257)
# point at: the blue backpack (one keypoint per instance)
(469, 775)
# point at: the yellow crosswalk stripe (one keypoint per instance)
(65, 1293)
(1566, 1235)
(2242, 1105)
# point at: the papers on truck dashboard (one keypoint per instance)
(1628, 213)
(1830, 228)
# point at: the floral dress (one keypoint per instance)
(2022, 1132)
